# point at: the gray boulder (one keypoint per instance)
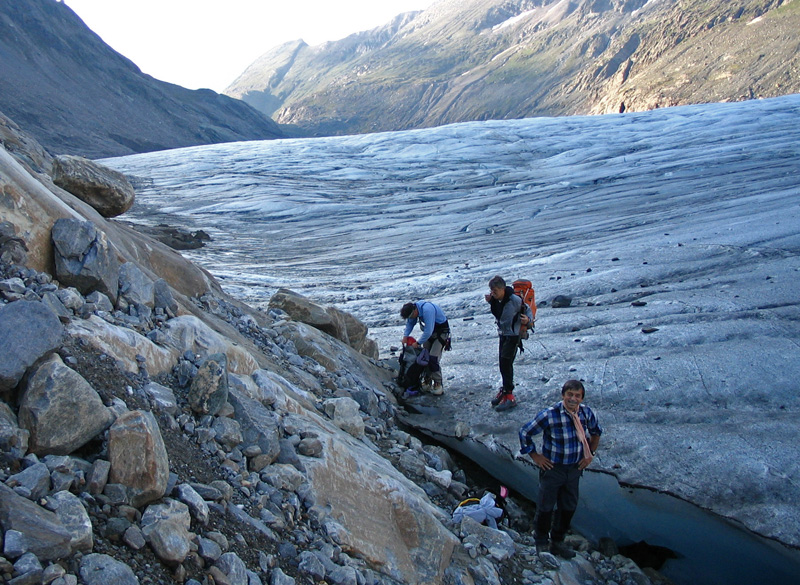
(228, 432)
(12, 248)
(107, 190)
(233, 568)
(345, 414)
(163, 297)
(135, 286)
(35, 529)
(99, 569)
(84, 257)
(28, 331)
(72, 514)
(209, 389)
(55, 398)
(302, 309)
(166, 528)
(336, 323)
(33, 482)
(260, 426)
(13, 439)
(138, 457)
(194, 501)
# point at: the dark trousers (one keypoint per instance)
(558, 489)
(435, 346)
(508, 353)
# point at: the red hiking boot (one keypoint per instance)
(499, 397)
(507, 403)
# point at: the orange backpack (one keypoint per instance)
(524, 289)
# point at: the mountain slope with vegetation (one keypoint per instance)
(499, 59)
(76, 95)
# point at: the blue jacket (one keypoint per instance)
(430, 315)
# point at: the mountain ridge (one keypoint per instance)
(485, 59)
(76, 95)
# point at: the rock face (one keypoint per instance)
(53, 60)
(108, 191)
(506, 59)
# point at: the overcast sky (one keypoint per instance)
(208, 43)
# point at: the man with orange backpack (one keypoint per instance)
(513, 318)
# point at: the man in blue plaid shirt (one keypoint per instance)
(570, 436)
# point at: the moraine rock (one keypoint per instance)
(84, 257)
(135, 287)
(166, 529)
(28, 331)
(138, 457)
(107, 190)
(35, 529)
(209, 390)
(124, 344)
(70, 511)
(13, 439)
(55, 397)
(100, 569)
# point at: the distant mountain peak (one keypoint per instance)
(463, 60)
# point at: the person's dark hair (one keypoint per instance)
(407, 309)
(573, 385)
(497, 282)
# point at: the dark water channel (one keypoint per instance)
(709, 549)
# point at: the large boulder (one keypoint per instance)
(55, 398)
(209, 390)
(302, 309)
(373, 510)
(124, 344)
(28, 331)
(188, 333)
(135, 286)
(107, 190)
(138, 457)
(84, 258)
(356, 333)
(335, 322)
(331, 353)
(36, 530)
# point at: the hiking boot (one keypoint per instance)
(437, 389)
(507, 403)
(562, 549)
(498, 397)
(426, 386)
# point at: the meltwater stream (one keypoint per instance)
(710, 550)
(682, 222)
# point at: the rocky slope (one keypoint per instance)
(156, 430)
(491, 59)
(76, 95)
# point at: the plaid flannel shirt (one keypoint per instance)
(560, 442)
